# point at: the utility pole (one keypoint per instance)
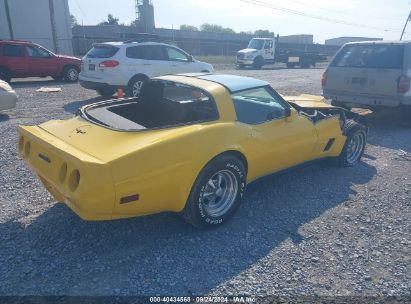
(53, 26)
(405, 26)
(10, 25)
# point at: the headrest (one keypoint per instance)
(152, 91)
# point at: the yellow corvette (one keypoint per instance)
(189, 144)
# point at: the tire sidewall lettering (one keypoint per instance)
(235, 168)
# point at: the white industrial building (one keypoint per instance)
(343, 40)
(46, 22)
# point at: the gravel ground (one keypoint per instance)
(315, 231)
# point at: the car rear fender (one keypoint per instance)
(80, 180)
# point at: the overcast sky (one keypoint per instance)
(372, 18)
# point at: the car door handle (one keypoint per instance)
(147, 64)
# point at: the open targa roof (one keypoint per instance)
(231, 82)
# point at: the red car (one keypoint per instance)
(20, 59)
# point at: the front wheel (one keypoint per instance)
(258, 63)
(216, 193)
(354, 146)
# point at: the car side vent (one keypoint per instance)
(329, 144)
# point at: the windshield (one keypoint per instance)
(256, 44)
(102, 52)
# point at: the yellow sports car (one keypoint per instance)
(189, 144)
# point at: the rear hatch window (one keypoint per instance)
(102, 51)
(377, 56)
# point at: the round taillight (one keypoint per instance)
(63, 173)
(27, 149)
(74, 180)
(21, 143)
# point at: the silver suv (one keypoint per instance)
(370, 75)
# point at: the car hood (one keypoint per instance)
(68, 57)
(205, 65)
(246, 51)
(309, 101)
(105, 144)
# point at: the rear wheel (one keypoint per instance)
(305, 64)
(354, 146)
(216, 193)
(5, 74)
(106, 92)
(135, 85)
(70, 74)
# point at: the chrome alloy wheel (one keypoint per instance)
(355, 147)
(136, 88)
(72, 74)
(220, 193)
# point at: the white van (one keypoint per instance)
(370, 75)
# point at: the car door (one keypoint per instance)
(41, 62)
(150, 60)
(180, 61)
(279, 137)
(268, 51)
(15, 59)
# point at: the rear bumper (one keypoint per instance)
(244, 62)
(366, 100)
(91, 85)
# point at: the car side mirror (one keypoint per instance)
(290, 114)
(190, 59)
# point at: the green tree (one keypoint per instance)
(73, 21)
(264, 33)
(111, 20)
(215, 28)
(186, 27)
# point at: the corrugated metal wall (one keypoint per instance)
(32, 20)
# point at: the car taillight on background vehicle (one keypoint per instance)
(324, 79)
(404, 83)
(109, 64)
